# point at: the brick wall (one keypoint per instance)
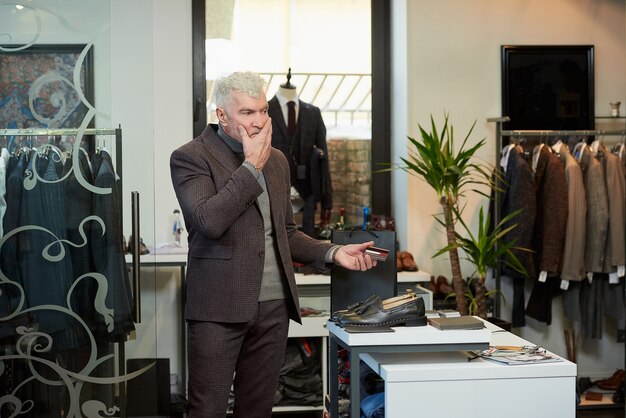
(350, 170)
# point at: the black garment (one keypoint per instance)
(300, 381)
(519, 194)
(9, 297)
(45, 267)
(108, 254)
(11, 220)
(592, 305)
(539, 304)
(78, 209)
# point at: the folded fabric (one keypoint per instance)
(373, 406)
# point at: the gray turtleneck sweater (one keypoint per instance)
(272, 285)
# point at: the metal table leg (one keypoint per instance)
(355, 382)
(334, 377)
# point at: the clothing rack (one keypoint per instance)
(117, 132)
(500, 135)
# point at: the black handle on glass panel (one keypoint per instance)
(196, 109)
(134, 201)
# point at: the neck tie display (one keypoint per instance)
(291, 117)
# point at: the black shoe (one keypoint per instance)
(362, 306)
(618, 396)
(358, 307)
(410, 312)
(583, 384)
(143, 249)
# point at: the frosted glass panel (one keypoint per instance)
(66, 304)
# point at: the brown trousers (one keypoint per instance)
(252, 352)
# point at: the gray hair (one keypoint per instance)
(247, 82)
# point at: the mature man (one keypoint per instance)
(234, 192)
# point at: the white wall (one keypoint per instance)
(399, 116)
(453, 65)
(152, 98)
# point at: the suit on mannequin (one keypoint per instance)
(305, 149)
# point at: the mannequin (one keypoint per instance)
(305, 149)
(288, 91)
(177, 227)
(289, 94)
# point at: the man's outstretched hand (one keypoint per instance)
(353, 257)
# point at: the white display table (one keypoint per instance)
(446, 383)
(313, 326)
(402, 341)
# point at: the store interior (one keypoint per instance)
(444, 58)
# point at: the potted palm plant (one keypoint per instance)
(483, 250)
(450, 172)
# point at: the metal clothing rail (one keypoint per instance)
(538, 132)
(59, 131)
(563, 133)
(500, 134)
(117, 132)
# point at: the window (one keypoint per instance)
(331, 70)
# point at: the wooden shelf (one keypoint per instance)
(605, 403)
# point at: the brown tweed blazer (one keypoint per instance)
(551, 218)
(217, 197)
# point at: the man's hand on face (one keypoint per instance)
(256, 149)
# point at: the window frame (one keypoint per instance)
(381, 93)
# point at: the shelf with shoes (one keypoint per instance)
(601, 394)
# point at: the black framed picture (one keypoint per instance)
(548, 87)
(38, 88)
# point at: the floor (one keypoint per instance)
(602, 413)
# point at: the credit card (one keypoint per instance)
(378, 254)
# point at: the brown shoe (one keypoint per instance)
(612, 382)
(408, 264)
(444, 286)
(399, 261)
(432, 286)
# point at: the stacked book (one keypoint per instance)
(456, 322)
